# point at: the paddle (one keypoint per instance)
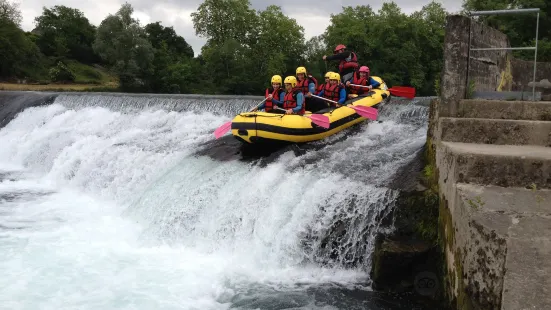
(367, 112)
(320, 120)
(400, 91)
(220, 131)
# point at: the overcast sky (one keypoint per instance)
(314, 16)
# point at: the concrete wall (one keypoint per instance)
(492, 259)
(486, 68)
(489, 70)
(522, 75)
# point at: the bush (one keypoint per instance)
(61, 73)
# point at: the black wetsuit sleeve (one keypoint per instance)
(341, 56)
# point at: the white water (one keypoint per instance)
(105, 210)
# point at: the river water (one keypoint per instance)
(120, 202)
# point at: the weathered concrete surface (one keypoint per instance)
(497, 109)
(495, 202)
(496, 131)
(523, 73)
(483, 248)
(522, 217)
(527, 282)
(488, 69)
(502, 165)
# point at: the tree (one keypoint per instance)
(176, 45)
(221, 20)
(66, 32)
(122, 43)
(431, 21)
(315, 48)
(401, 49)
(20, 56)
(10, 10)
(277, 45)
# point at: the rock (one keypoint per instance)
(396, 262)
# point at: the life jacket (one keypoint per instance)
(349, 63)
(269, 105)
(320, 88)
(358, 81)
(332, 92)
(290, 101)
(303, 85)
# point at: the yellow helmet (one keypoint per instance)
(276, 79)
(291, 80)
(328, 74)
(301, 70)
(335, 76)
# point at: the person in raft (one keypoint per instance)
(293, 101)
(335, 91)
(322, 86)
(348, 62)
(274, 94)
(361, 77)
(308, 85)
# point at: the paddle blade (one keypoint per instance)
(220, 131)
(402, 91)
(367, 112)
(320, 120)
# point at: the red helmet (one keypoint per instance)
(340, 47)
(364, 69)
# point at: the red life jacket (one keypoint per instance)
(332, 92)
(290, 101)
(358, 81)
(303, 85)
(269, 105)
(349, 63)
(320, 88)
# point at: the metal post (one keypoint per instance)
(535, 58)
(468, 59)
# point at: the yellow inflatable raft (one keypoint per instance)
(263, 127)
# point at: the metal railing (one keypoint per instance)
(503, 12)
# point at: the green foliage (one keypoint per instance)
(244, 47)
(221, 20)
(121, 42)
(159, 35)
(9, 10)
(86, 74)
(402, 49)
(61, 73)
(65, 32)
(17, 51)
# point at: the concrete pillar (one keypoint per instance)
(455, 64)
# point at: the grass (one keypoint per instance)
(56, 87)
(85, 74)
(87, 78)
